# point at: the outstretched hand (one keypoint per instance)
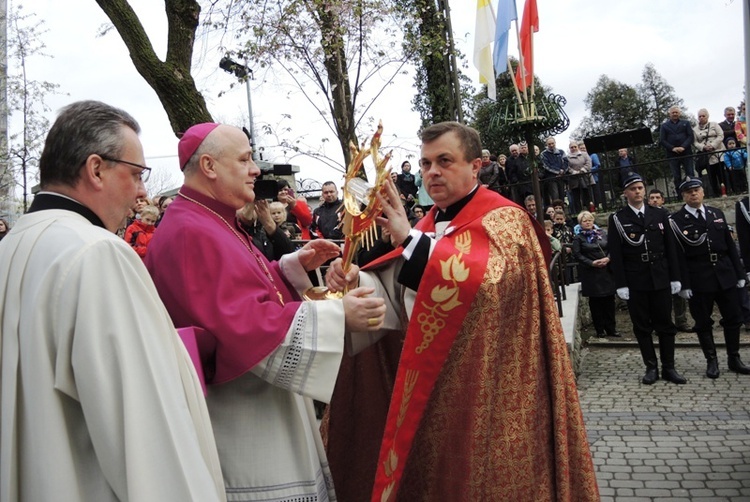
(316, 252)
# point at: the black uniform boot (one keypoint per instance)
(732, 337)
(646, 344)
(706, 340)
(666, 354)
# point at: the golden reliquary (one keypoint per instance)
(361, 206)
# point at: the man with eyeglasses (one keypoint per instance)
(99, 397)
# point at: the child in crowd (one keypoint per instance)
(549, 213)
(554, 242)
(140, 232)
(279, 216)
(135, 211)
(560, 229)
(735, 160)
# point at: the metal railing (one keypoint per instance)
(606, 194)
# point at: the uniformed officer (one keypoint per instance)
(742, 225)
(711, 273)
(644, 261)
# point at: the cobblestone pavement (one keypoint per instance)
(666, 442)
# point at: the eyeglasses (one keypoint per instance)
(143, 175)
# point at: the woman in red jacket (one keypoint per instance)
(297, 209)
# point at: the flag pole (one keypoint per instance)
(459, 111)
(522, 69)
(515, 88)
(532, 106)
(746, 28)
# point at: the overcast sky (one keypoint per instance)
(696, 45)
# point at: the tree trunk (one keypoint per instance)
(332, 42)
(171, 79)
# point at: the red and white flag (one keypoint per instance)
(529, 24)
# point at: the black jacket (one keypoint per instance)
(595, 281)
(326, 220)
(672, 134)
(742, 225)
(406, 184)
(272, 246)
(710, 263)
(643, 254)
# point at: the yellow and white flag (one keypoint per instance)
(484, 39)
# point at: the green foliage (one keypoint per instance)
(427, 46)
(657, 96)
(489, 117)
(614, 107)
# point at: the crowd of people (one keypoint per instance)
(101, 400)
(443, 337)
(715, 152)
(662, 264)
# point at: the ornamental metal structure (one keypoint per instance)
(533, 119)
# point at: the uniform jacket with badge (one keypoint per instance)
(742, 216)
(643, 255)
(707, 254)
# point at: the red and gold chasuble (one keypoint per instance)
(450, 282)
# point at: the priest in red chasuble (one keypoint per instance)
(484, 403)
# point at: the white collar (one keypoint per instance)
(694, 211)
(642, 210)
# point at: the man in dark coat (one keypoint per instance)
(676, 136)
(711, 273)
(327, 216)
(644, 261)
(679, 304)
(626, 163)
(519, 172)
(742, 218)
(727, 125)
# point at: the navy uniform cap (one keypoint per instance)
(631, 178)
(690, 183)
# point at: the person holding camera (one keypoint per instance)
(298, 212)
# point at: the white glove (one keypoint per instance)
(741, 283)
(686, 294)
(623, 293)
(676, 287)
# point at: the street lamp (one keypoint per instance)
(242, 72)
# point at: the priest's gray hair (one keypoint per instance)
(82, 129)
(211, 145)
